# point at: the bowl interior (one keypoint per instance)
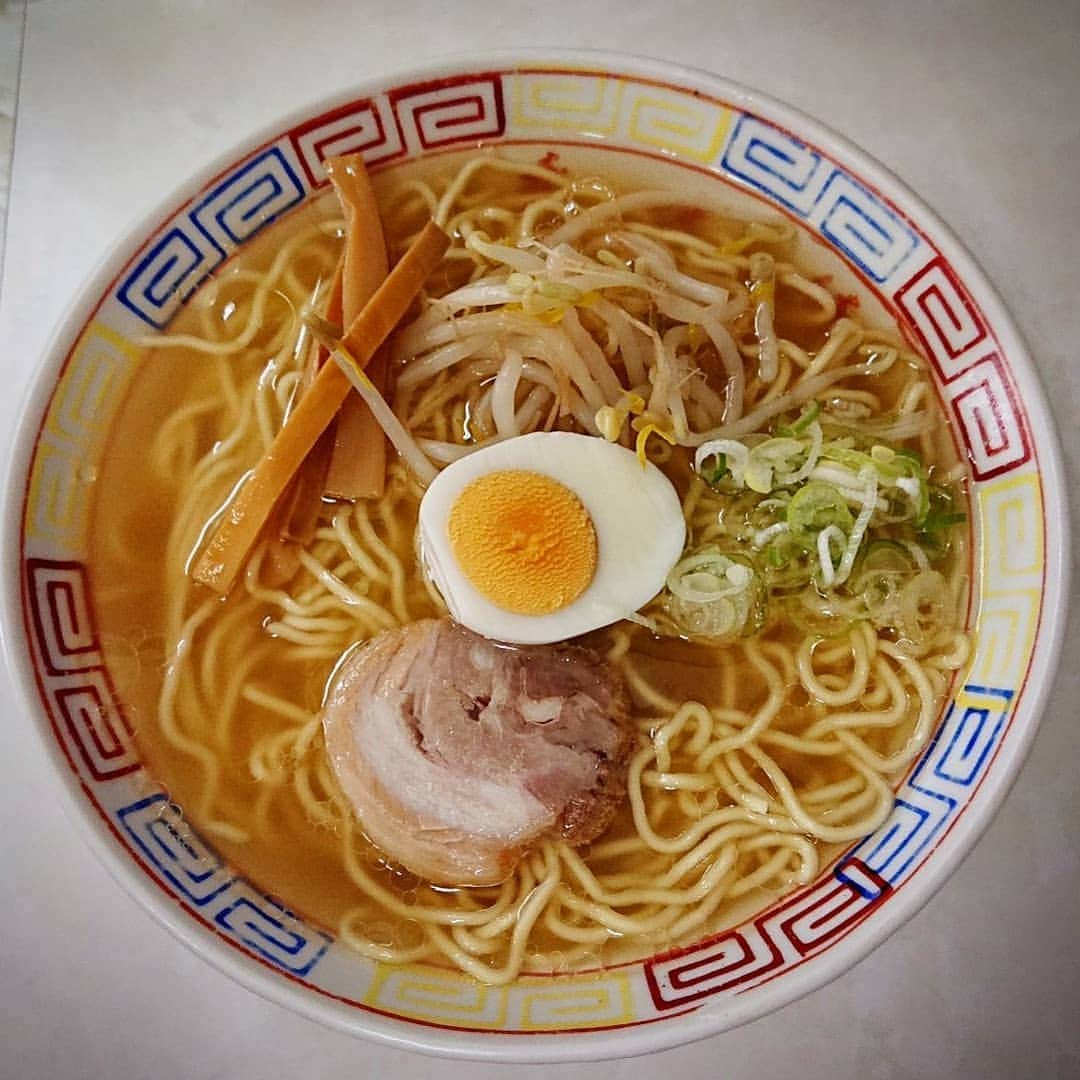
(879, 242)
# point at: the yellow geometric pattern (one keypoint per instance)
(1004, 637)
(1013, 558)
(583, 103)
(449, 997)
(1012, 515)
(589, 1001)
(662, 121)
(78, 417)
(58, 497)
(445, 997)
(93, 376)
(678, 124)
(657, 118)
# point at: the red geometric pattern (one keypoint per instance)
(809, 920)
(363, 127)
(781, 937)
(58, 602)
(466, 111)
(724, 963)
(448, 111)
(989, 420)
(78, 691)
(88, 709)
(962, 350)
(412, 119)
(945, 318)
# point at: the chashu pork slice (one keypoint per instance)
(457, 752)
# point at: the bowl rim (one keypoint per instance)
(714, 1016)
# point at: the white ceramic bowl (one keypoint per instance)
(904, 264)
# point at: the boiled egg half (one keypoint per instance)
(546, 536)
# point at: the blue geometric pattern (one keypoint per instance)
(863, 227)
(927, 803)
(249, 199)
(193, 244)
(851, 217)
(917, 818)
(852, 874)
(272, 931)
(844, 208)
(169, 843)
(192, 870)
(974, 735)
(775, 163)
(174, 267)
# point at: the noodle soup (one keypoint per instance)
(770, 720)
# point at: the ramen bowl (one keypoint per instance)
(885, 247)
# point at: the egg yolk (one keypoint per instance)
(524, 541)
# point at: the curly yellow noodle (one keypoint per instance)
(732, 799)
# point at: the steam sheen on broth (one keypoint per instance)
(770, 726)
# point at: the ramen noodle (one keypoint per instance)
(787, 672)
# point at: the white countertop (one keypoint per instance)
(976, 107)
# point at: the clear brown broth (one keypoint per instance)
(132, 515)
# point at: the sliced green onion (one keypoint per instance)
(805, 419)
(923, 608)
(886, 556)
(824, 550)
(816, 513)
(814, 507)
(776, 556)
(718, 471)
(858, 530)
(735, 454)
(712, 595)
(820, 615)
(934, 522)
(941, 513)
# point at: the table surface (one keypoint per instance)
(975, 106)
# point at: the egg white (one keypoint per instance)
(640, 533)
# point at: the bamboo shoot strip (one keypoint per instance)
(298, 511)
(357, 468)
(395, 430)
(244, 518)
